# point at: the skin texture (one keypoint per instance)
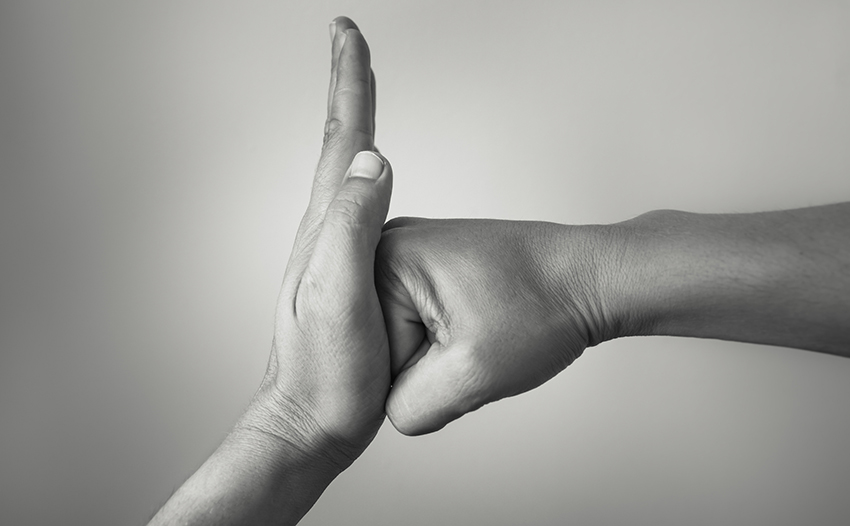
(322, 399)
(478, 310)
(427, 320)
(778, 278)
(475, 313)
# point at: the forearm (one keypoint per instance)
(258, 476)
(777, 278)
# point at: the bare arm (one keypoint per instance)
(322, 399)
(478, 310)
(255, 477)
(778, 278)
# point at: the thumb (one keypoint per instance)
(344, 255)
(443, 385)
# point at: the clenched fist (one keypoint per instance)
(477, 310)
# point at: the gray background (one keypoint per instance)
(156, 158)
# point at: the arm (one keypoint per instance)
(322, 399)
(777, 278)
(255, 477)
(478, 310)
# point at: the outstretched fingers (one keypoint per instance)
(348, 130)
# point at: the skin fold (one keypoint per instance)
(426, 320)
(478, 310)
(322, 399)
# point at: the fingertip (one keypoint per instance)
(350, 100)
(341, 29)
(343, 23)
(359, 45)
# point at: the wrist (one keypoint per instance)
(639, 279)
(668, 274)
(615, 277)
(262, 473)
(617, 298)
(584, 270)
(290, 433)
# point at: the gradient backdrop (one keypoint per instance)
(155, 159)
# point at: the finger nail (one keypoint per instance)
(367, 165)
(332, 29)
